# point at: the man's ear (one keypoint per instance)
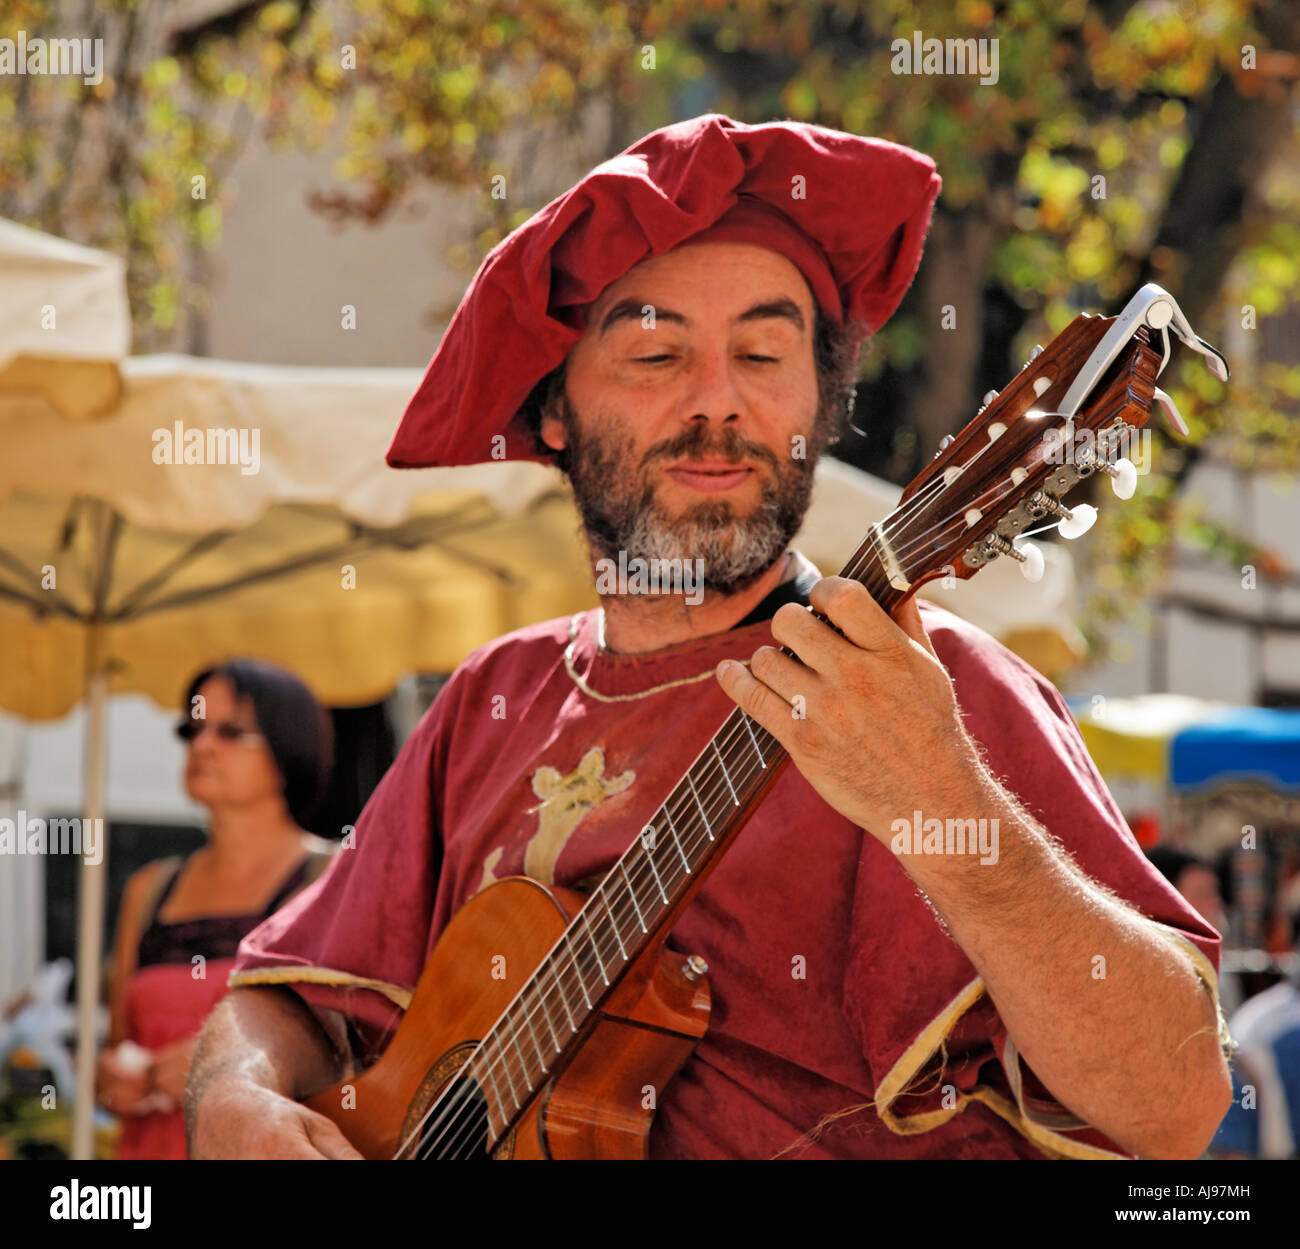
(553, 433)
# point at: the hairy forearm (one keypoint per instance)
(260, 1036)
(1109, 1014)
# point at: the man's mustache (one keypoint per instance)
(733, 449)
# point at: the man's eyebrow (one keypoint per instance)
(782, 307)
(633, 309)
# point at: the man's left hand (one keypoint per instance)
(870, 719)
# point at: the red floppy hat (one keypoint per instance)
(850, 213)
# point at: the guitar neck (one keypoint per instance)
(642, 896)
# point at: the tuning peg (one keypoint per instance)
(1123, 477)
(1172, 414)
(1031, 562)
(1079, 521)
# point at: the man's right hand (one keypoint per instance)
(239, 1119)
(259, 1047)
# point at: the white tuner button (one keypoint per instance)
(1031, 567)
(1080, 520)
(1124, 480)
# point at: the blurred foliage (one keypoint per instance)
(457, 92)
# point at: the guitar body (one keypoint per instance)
(593, 1105)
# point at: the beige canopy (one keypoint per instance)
(310, 553)
(64, 321)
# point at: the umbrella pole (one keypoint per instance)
(90, 908)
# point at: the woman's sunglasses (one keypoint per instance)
(188, 730)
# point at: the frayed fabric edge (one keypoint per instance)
(923, 1049)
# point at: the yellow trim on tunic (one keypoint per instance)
(399, 996)
(1042, 1129)
(915, 1057)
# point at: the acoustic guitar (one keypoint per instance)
(567, 1056)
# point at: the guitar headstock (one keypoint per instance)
(1072, 411)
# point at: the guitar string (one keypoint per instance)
(713, 790)
(606, 956)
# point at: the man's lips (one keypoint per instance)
(710, 476)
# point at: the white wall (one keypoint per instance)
(41, 771)
(143, 768)
(282, 274)
(1213, 658)
(22, 894)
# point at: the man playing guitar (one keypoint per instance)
(679, 334)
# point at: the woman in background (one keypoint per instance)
(260, 750)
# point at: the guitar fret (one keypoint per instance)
(707, 826)
(750, 728)
(725, 774)
(677, 841)
(541, 997)
(613, 922)
(650, 858)
(577, 971)
(563, 996)
(887, 558)
(496, 1093)
(505, 1064)
(632, 894)
(600, 962)
(523, 1062)
(528, 1019)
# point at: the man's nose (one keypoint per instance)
(712, 393)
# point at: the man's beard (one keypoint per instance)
(620, 512)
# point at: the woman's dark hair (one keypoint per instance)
(297, 728)
(834, 356)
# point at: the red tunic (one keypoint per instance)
(544, 755)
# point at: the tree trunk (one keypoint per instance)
(950, 291)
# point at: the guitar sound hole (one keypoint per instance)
(457, 1127)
